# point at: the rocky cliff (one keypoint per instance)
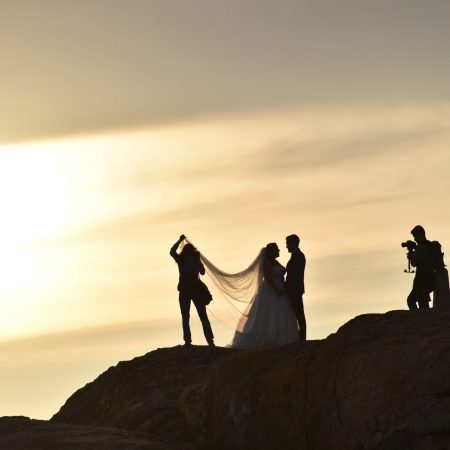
(381, 382)
(21, 433)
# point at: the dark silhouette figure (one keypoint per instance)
(441, 291)
(295, 281)
(420, 258)
(272, 253)
(190, 267)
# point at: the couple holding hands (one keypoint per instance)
(274, 314)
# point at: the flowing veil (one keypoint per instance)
(234, 293)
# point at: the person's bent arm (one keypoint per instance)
(415, 256)
(173, 250)
(201, 267)
(412, 259)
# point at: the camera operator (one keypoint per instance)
(420, 258)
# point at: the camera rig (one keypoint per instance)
(410, 246)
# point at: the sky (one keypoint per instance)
(126, 124)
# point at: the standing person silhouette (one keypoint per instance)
(190, 267)
(420, 258)
(295, 281)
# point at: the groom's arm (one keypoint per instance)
(301, 272)
(302, 265)
(297, 273)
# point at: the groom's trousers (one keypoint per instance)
(296, 300)
(185, 306)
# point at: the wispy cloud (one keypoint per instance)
(310, 163)
(340, 151)
(172, 63)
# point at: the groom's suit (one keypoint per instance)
(295, 287)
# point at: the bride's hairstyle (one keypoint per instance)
(271, 250)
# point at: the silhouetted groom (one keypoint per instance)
(295, 281)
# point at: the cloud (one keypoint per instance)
(83, 336)
(344, 158)
(364, 143)
(68, 71)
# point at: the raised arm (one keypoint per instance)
(173, 250)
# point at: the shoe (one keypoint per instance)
(187, 344)
(211, 343)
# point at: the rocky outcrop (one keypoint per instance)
(144, 394)
(21, 433)
(381, 382)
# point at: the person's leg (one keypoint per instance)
(185, 306)
(412, 299)
(424, 301)
(207, 330)
(296, 301)
(301, 319)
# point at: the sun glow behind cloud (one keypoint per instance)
(35, 204)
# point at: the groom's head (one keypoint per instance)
(292, 242)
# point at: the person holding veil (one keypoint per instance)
(190, 267)
(268, 318)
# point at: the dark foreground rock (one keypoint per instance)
(21, 433)
(144, 394)
(381, 382)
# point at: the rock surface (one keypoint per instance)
(381, 382)
(143, 394)
(22, 433)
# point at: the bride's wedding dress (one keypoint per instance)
(270, 319)
(267, 319)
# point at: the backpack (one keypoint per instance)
(436, 256)
(201, 293)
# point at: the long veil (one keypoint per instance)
(234, 293)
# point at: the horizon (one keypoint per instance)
(124, 126)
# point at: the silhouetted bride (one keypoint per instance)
(269, 318)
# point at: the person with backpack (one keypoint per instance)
(192, 289)
(420, 257)
(441, 291)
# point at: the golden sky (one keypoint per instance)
(123, 125)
